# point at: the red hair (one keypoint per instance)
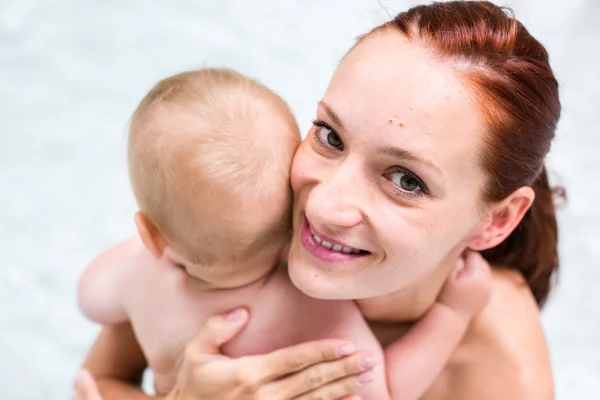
(509, 72)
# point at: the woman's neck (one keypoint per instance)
(408, 304)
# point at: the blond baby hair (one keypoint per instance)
(207, 149)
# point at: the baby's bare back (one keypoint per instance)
(167, 308)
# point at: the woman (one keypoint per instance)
(429, 141)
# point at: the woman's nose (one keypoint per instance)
(336, 202)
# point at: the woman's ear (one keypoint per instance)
(153, 239)
(504, 217)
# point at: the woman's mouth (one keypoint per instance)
(327, 249)
(333, 247)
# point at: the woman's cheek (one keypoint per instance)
(409, 232)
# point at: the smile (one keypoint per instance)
(333, 247)
(327, 249)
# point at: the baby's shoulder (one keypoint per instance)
(283, 306)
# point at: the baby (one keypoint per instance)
(209, 157)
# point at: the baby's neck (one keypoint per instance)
(207, 285)
(204, 279)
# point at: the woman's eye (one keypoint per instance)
(329, 137)
(406, 181)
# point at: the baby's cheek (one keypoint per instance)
(306, 167)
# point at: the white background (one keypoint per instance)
(71, 73)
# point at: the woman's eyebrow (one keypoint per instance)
(403, 154)
(395, 152)
(332, 114)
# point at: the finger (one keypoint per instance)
(459, 267)
(325, 374)
(85, 387)
(291, 359)
(219, 329)
(343, 388)
(474, 261)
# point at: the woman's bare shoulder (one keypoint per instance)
(504, 352)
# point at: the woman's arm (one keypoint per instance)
(325, 369)
(117, 363)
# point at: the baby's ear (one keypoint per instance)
(153, 239)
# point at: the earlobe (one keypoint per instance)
(505, 217)
(153, 239)
(480, 243)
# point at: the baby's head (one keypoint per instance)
(209, 159)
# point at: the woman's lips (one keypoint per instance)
(326, 249)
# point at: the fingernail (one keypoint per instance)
(365, 377)
(368, 362)
(346, 349)
(236, 315)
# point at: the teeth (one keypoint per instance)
(334, 247)
(326, 244)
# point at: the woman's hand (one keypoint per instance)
(324, 370)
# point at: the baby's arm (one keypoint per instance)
(349, 324)
(415, 361)
(101, 288)
(376, 385)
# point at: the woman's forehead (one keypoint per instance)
(389, 85)
(388, 74)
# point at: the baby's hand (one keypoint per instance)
(468, 287)
(85, 387)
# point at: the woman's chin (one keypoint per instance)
(314, 284)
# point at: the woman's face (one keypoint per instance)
(387, 181)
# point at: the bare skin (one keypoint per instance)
(503, 353)
(361, 185)
(410, 197)
(500, 351)
(417, 360)
(168, 307)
